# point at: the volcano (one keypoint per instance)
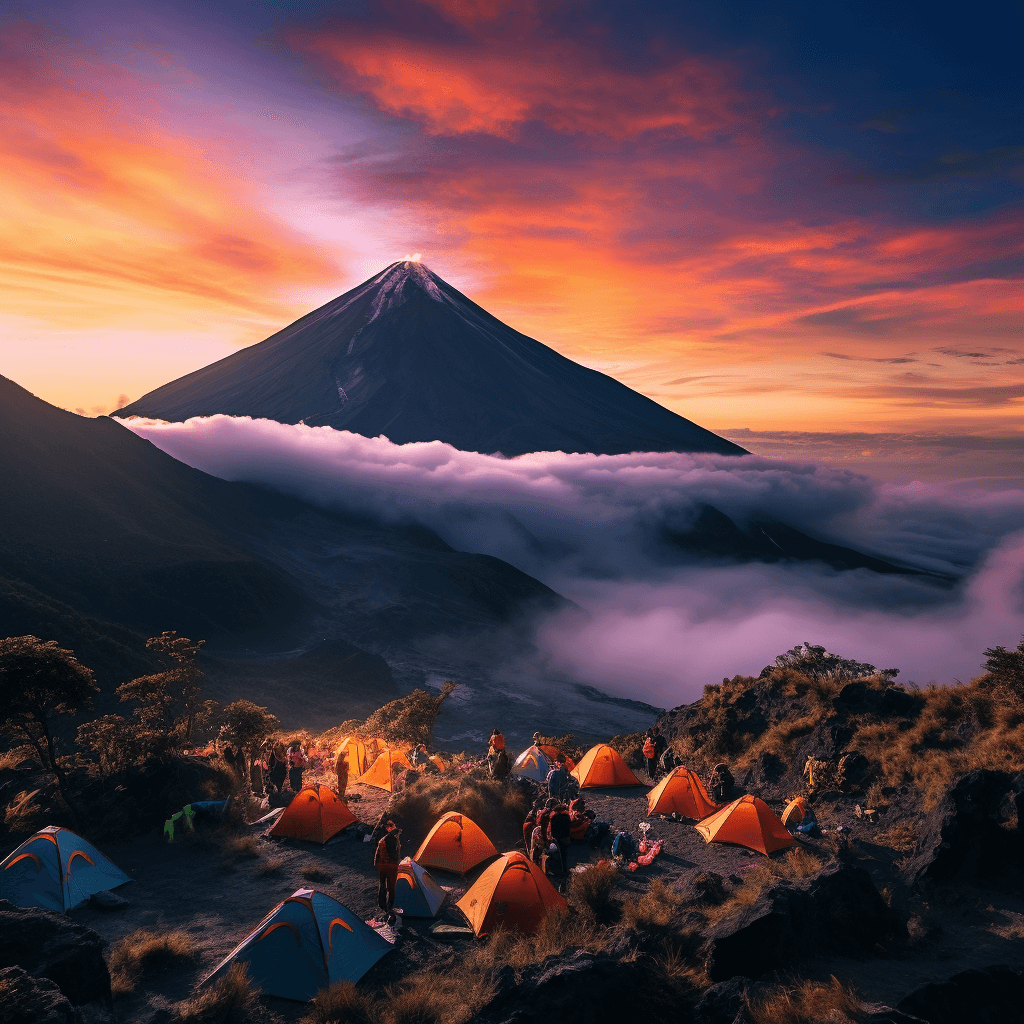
(407, 356)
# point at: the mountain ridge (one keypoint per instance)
(406, 355)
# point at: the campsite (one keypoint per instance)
(875, 899)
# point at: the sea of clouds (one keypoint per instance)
(652, 626)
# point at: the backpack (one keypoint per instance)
(649, 747)
(623, 846)
(498, 741)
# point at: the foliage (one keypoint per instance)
(410, 719)
(169, 703)
(817, 663)
(1007, 667)
(113, 740)
(247, 726)
(38, 680)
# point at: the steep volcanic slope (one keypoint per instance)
(107, 540)
(408, 356)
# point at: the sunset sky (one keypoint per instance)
(797, 223)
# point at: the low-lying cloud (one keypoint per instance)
(654, 626)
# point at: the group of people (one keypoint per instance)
(656, 750)
(275, 772)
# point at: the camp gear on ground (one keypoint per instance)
(382, 772)
(306, 943)
(749, 822)
(455, 843)
(668, 761)
(416, 891)
(316, 814)
(681, 792)
(56, 869)
(624, 845)
(602, 766)
(513, 893)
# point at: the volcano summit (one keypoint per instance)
(408, 356)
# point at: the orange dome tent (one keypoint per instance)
(316, 814)
(749, 822)
(455, 843)
(681, 792)
(602, 766)
(554, 753)
(380, 773)
(512, 893)
(354, 750)
(794, 813)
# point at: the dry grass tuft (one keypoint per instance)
(590, 890)
(270, 867)
(807, 1002)
(313, 873)
(146, 952)
(342, 1003)
(654, 908)
(901, 837)
(230, 1000)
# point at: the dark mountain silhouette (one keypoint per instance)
(407, 356)
(107, 540)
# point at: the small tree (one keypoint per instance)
(1007, 667)
(115, 742)
(38, 680)
(410, 718)
(817, 663)
(170, 703)
(247, 726)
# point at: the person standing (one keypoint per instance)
(341, 770)
(557, 779)
(386, 860)
(277, 765)
(296, 765)
(496, 741)
(650, 755)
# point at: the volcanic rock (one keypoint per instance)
(991, 995)
(838, 909)
(47, 945)
(24, 998)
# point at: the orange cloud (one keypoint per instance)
(493, 81)
(111, 216)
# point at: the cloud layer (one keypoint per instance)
(653, 626)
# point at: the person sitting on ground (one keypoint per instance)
(580, 818)
(341, 771)
(799, 816)
(557, 778)
(496, 741)
(560, 835)
(386, 859)
(297, 763)
(650, 754)
(721, 783)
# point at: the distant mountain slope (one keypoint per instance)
(107, 540)
(408, 356)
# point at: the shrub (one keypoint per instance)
(410, 718)
(146, 952)
(229, 1000)
(590, 890)
(653, 909)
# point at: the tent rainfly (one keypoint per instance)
(601, 766)
(381, 772)
(455, 843)
(316, 813)
(749, 822)
(306, 943)
(56, 869)
(512, 893)
(416, 892)
(681, 792)
(354, 750)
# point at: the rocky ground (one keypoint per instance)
(914, 915)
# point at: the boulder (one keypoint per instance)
(965, 831)
(992, 995)
(764, 773)
(577, 987)
(35, 1000)
(724, 1003)
(836, 910)
(47, 945)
